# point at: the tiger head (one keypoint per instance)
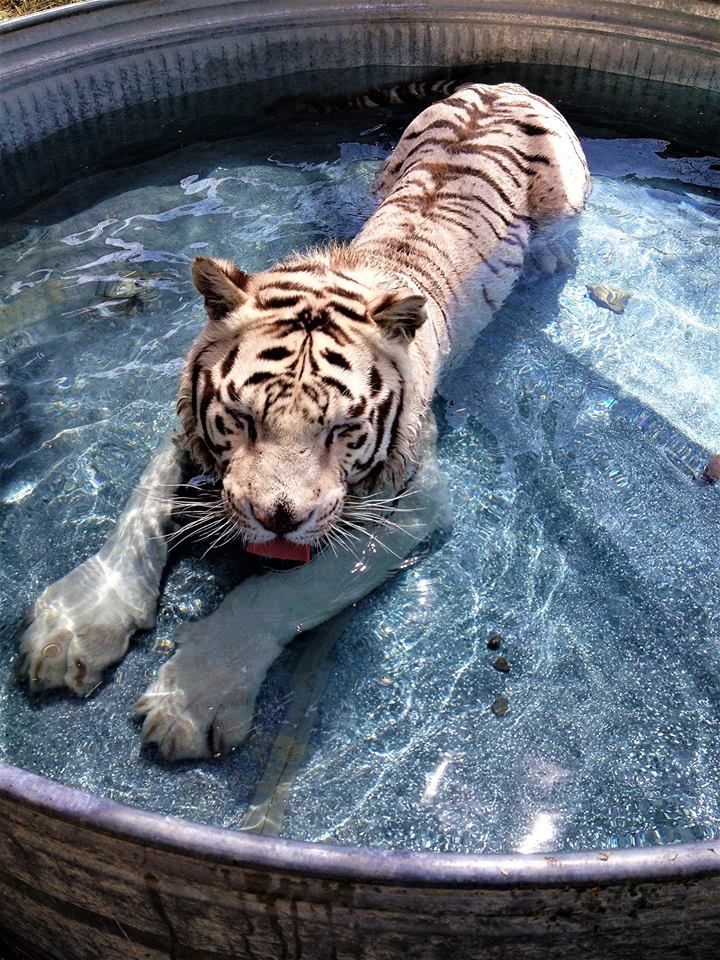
(299, 389)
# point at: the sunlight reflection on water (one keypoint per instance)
(572, 439)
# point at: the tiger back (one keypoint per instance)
(470, 179)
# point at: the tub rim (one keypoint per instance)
(359, 865)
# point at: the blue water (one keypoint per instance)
(572, 438)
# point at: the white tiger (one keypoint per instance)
(308, 394)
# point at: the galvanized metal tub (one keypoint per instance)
(84, 877)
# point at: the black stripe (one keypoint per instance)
(311, 321)
(308, 267)
(382, 414)
(347, 312)
(386, 300)
(333, 382)
(488, 299)
(459, 102)
(337, 359)
(220, 425)
(274, 353)
(279, 303)
(441, 215)
(248, 424)
(215, 447)
(270, 398)
(531, 129)
(421, 238)
(260, 376)
(209, 394)
(407, 203)
(311, 392)
(336, 333)
(538, 158)
(411, 255)
(395, 428)
(229, 360)
(512, 153)
(376, 381)
(448, 329)
(437, 125)
(507, 172)
(429, 142)
(486, 151)
(465, 170)
(197, 370)
(342, 292)
(357, 444)
(467, 201)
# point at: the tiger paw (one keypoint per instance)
(77, 627)
(548, 257)
(195, 710)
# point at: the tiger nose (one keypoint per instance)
(280, 521)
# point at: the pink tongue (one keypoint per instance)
(281, 549)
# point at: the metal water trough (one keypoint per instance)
(83, 877)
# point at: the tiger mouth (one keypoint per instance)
(206, 490)
(281, 549)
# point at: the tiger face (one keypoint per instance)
(297, 391)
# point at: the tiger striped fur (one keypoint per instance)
(308, 393)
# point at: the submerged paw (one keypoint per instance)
(548, 257)
(57, 653)
(76, 628)
(193, 718)
(174, 730)
(43, 654)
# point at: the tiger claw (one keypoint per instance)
(190, 712)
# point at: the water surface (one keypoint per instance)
(572, 439)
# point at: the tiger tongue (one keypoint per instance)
(281, 549)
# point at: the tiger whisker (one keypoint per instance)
(381, 511)
(370, 536)
(202, 527)
(186, 503)
(385, 522)
(321, 543)
(190, 535)
(364, 513)
(151, 488)
(375, 498)
(352, 536)
(225, 533)
(340, 538)
(198, 521)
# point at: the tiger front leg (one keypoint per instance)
(83, 622)
(203, 699)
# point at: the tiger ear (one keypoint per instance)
(221, 283)
(399, 316)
